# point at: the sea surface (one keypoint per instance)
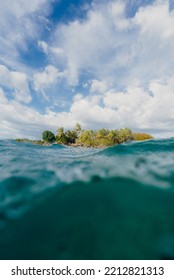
(60, 202)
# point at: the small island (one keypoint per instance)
(88, 138)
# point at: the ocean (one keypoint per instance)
(60, 202)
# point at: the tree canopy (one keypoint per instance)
(48, 136)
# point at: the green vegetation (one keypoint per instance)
(48, 136)
(104, 137)
(89, 138)
(141, 136)
(66, 137)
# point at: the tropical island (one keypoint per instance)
(88, 138)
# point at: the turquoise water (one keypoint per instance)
(74, 203)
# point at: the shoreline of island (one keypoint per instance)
(78, 137)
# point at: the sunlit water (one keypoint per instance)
(60, 202)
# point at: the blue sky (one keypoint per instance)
(100, 63)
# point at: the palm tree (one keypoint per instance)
(78, 129)
(60, 137)
(71, 136)
(124, 134)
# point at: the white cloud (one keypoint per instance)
(114, 52)
(95, 45)
(17, 82)
(3, 99)
(58, 52)
(98, 86)
(108, 46)
(46, 78)
(18, 120)
(137, 108)
(43, 46)
(156, 20)
(20, 22)
(126, 63)
(20, 8)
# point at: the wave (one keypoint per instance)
(161, 145)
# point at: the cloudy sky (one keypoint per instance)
(103, 63)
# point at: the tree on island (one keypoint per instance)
(100, 138)
(89, 138)
(104, 137)
(139, 136)
(48, 136)
(66, 137)
(78, 129)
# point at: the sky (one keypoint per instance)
(102, 63)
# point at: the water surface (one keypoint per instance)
(60, 202)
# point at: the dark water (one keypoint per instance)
(74, 203)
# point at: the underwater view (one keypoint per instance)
(61, 202)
